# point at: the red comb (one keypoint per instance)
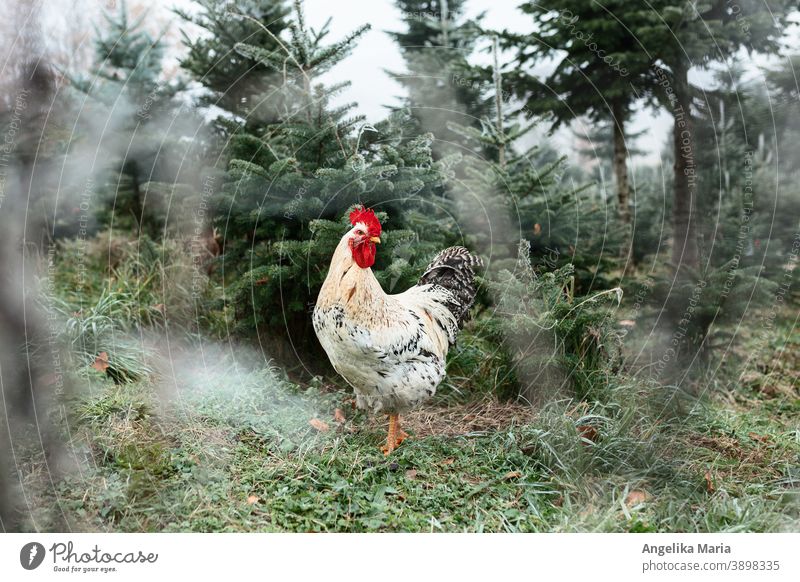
(367, 216)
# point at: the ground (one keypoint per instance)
(228, 449)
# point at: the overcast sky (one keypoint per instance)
(372, 88)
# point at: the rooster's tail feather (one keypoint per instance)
(454, 269)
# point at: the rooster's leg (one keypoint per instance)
(396, 434)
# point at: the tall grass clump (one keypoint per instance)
(555, 343)
(111, 296)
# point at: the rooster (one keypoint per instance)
(391, 348)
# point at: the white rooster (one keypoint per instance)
(391, 348)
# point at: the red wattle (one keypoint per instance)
(364, 255)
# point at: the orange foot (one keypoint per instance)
(396, 435)
(401, 435)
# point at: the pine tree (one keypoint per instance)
(598, 73)
(527, 195)
(291, 183)
(140, 142)
(680, 35)
(442, 86)
(234, 82)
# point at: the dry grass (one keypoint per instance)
(485, 416)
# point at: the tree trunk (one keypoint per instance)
(498, 104)
(136, 202)
(684, 245)
(623, 187)
(621, 163)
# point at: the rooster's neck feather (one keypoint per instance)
(355, 289)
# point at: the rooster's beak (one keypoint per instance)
(375, 239)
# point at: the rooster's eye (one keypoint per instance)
(360, 232)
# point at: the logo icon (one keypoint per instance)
(31, 555)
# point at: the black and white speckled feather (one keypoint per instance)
(454, 269)
(392, 348)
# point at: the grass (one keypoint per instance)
(206, 436)
(234, 451)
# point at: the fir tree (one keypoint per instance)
(680, 35)
(442, 86)
(234, 82)
(291, 183)
(744, 245)
(140, 143)
(557, 341)
(511, 195)
(599, 73)
(657, 46)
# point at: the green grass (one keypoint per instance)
(202, 436)
(234, 451)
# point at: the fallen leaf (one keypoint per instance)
(587, 432)
(318, 424)
(338, 416)
(448, 461)
(709, 482)
(768, 390)
(762, 438)
(411, 474)
(252, 500)
(636, 497)
(262, 281)
(537, 229)
(558, 501)
(512, 475)
(160, 307)
(627, 322)
(101, 362)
